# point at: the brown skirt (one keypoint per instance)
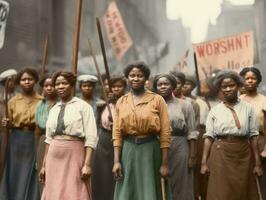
(231, 176)
(63, 172)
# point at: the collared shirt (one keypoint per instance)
(21, 110)
(148, 117)
(78, 120)
(258, 102)
(182, 117)
(220, 121)
(42, 112)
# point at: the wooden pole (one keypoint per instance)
(258, 188)
(76, 37)
(197, 73)
(98, 24)
(163, 188)
(5, 134)
(45, 55)
(93, 54)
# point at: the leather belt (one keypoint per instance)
(25, 128)
(140, 140)
(231, 138)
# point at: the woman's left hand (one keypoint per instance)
(191, 162)
(86, 172)
(258, 170)
(164, 170)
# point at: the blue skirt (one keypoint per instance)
(20, 179)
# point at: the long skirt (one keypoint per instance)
(181, 177)
(20, 180)
(63, 172)
(231, 176)
(141, 177)
(103, 183)
(40, 155)
(200, 180)
(262, 179)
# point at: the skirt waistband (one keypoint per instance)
(231, 138)
(140, 140)
(68, 137)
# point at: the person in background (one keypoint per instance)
(230, 139)
(87, 85)
(252, 78)
(199, 179)
(183, 131)
(20, 179)
(140, 158)
(41, 116)
(71, 137)
(103, 182)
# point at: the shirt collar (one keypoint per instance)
(34, 96)
(74, 99)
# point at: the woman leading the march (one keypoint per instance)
(231, 138)
(71, 137)
(183, 131)
(21, 178)
(140, 158)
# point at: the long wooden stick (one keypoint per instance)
(100, 77)
(98, 24)
(76, 37)
(5, 133)
(258, 188)
(197, 73)
(45, 55)
(163, 188)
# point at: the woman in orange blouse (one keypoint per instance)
(20, 180)
(140, 158)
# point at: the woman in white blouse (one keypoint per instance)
(231, 138)
(71, 137)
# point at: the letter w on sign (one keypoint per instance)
(116, 31)
(4, 10)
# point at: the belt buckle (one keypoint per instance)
(137, 140)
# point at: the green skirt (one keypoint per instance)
(141, 177)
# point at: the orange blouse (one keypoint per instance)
(149, 116)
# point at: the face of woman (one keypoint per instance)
(118, 89)
(63, 87)
(164, 87)
(187, 88)
(251, 81)
(229, 89)
(27, 82)
(136, 79)
(87, 88)
(178, 89)
(48, 88)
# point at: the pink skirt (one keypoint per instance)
(63, 172)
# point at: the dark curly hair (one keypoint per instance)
(141, 66)
(116, 78)
(69, 76)
(180, 75)
(43, 79)
(227, 74)
(29, 70)
(255, 70)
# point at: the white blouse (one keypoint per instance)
(79, 121)
(220, 121)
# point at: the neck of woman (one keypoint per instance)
(138, 92)
(252, 93)
(168, 98)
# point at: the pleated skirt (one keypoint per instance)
(231, 176)
(181, 177)
(64, 162)
(20, 180)
(103, 182)
(141, 177)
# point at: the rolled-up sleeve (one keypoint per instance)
(210, 125)
(165, 132)
(116, 133)
(253, 130)
(191, 122)
(90, 129)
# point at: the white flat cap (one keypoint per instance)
(5, 74)
(87, 78)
